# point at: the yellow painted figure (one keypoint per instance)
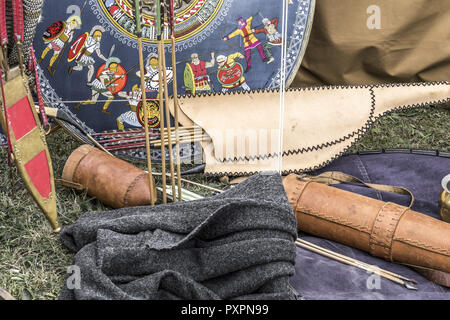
(250, 40)
(56, 39)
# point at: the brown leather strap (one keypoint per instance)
(388, 216)
(70, 184)
(383, 230)
(336, 177)
(300, 188)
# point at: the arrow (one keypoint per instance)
(144, 97)
(165, 91)
(175, 97)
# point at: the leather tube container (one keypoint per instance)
(384, 229)
(112, 181)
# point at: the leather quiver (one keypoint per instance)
(383, 229)
(112, 181)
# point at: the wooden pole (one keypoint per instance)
(144, 97)
(169, 129)
(175, 94)
(161, 99)
(167, 114)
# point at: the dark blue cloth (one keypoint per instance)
(320, 278)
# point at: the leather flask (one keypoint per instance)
(112, 181)
(384, 229)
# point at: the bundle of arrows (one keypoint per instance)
(135, 139)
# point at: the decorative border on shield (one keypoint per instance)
(297, 43)
(301, 33)
(182, 45)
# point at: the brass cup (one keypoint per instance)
(444, 199)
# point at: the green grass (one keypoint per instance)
(415, 128)
(32, 260)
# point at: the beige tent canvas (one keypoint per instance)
(377, 41)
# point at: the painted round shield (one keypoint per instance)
(77, 47)
(231, 76)
(153, 113)
(54, 31)
(201, 29)
(153, 79)
(117, 79)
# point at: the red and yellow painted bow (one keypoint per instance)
(27, 145)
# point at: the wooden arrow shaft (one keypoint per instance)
(144, 98)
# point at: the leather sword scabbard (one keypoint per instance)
(383, 229)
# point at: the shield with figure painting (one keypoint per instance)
(204, 31)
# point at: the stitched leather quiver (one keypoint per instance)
(112, 181)
(384, 229)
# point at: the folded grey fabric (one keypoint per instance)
(236, 245)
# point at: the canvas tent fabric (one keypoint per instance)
(377, 41)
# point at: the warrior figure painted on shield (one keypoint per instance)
(152, 74)
(230, 72)
(107, 83)
(57, 36)
(83, 54)
(250, 40)
(134, 117)
(274, 38)
(130, 117)
(196, 78)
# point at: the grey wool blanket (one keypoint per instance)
(236, 245)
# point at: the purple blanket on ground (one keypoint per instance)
(320, 278)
